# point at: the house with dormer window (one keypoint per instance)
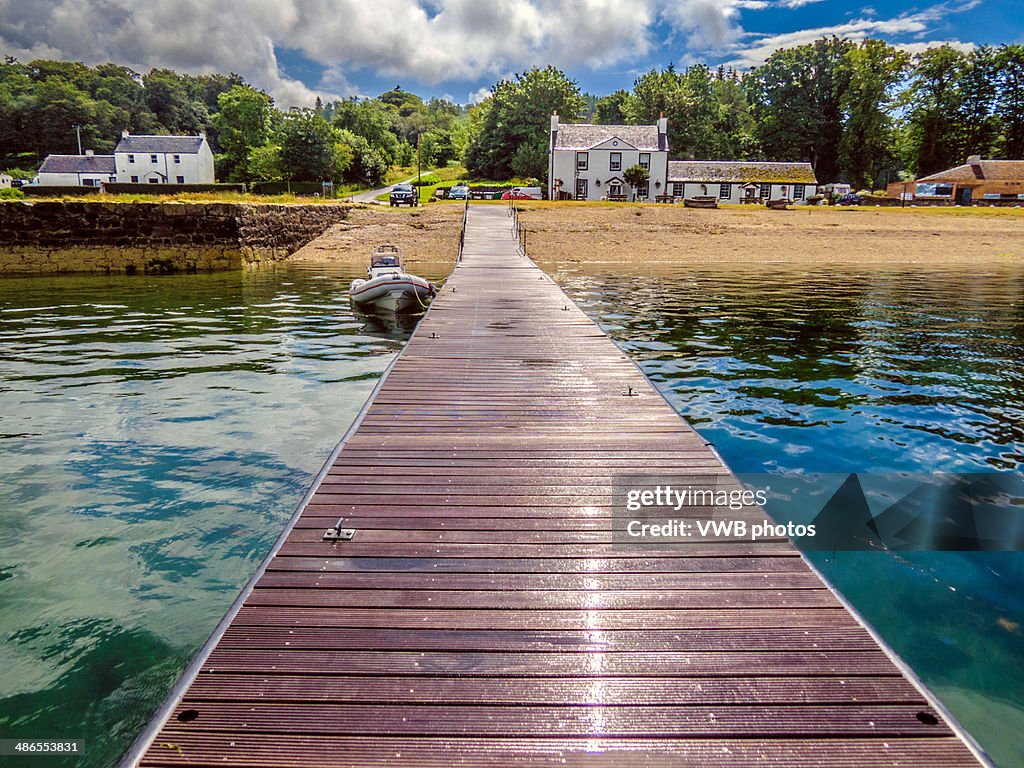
(164, 159)
(586, 162)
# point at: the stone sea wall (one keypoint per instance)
(53, 237)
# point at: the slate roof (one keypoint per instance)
(991, 170)
(731, 171)
(581, 136)
(78, 164)
(160, 145)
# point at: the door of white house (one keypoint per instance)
(614, 188)
(581, 189)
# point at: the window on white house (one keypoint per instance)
(131, 158)
(135, 179)
(798, 191)
(177, 159)
(154, 181)
(642, 193)
(645, 160)
(677, 188)
(724, 191)
(582, 161)
(581, 189)
(152, 159)
(88, 182)
(766, 191)
(615, 161)
(614, 188)
(181, 179)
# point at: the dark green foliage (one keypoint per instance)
(167, 189)
(513, 135)
(797, 100)
(611, 109)
(308, 147)
(36, 190)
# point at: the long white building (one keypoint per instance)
(741, 181)
(586, 162)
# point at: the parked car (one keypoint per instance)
(850, 199)
(404, 194)
(459, 192)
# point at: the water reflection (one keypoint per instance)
(156, 433)
(869, 369)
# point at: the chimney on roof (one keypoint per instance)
(202, 134)
(554, 122)
(89, 153)
(662, 125)
(975, 162)
(125, 134)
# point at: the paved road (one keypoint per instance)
(369, 197)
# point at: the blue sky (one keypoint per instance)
(298, 49)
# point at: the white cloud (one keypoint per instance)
(424, 41)
(797, 3)
(759, 47)
(918, 47)
(429, 41)
(475, 97)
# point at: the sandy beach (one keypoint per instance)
(572, 233)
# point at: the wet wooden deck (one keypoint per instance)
(481, 616)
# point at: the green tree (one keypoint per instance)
(932, 143)
(610, 109)
(1010, 99)
(797, 100)
(876, 70)
(243, 124)
(514, 130)
(308, 147)
(636, 176)
(264, 163)
(977, 123)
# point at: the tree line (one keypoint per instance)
(47, 105)
(860, 111)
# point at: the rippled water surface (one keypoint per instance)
(155, 434)
(834, 370)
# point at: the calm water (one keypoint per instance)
(881, 370)
(155, 433)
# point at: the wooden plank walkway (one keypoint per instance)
(481, 616)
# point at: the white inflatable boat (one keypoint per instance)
(388, 286)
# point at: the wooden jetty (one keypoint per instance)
(482, 616)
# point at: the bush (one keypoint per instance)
(427, 181)
(38, 190)
(11, 194)
(301, 188)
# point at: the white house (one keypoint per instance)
(88, 170)
(741, 181)
(586, 161)
(164, 159)
(5, 181)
